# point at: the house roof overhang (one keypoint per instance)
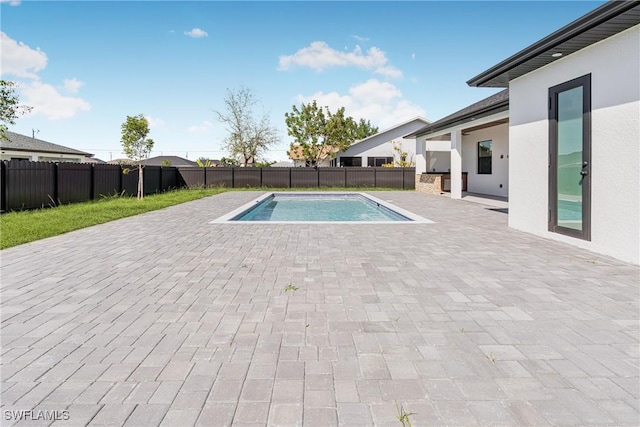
(472, 115)
(607, 20)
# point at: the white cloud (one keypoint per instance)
(196, 33)
(380, 102)
(203, 127)
(47, 101)
(155, 122)
(360, 39)
(319, 55)
(389, 71)
(72, 85)
(11, 2)
(20, 60)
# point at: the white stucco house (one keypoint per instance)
(472, 144)
(566, 131)
(374, 150)
(23, 147)
(377, 149)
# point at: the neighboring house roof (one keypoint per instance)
(486, 107)
(295, 153)
(175, 161)
(282, 164)
(94, 160)
(19, 142)
(605, 21)
(415, 119)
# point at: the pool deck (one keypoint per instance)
(165, 319)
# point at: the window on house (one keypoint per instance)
(378, 161)
(484, 157)
(351, 161)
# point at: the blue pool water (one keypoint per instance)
(319, 207)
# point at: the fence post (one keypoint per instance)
(3, 187)
(92, 180)
(403, 178)
(56, 182)
(375, 177)
(290, 177)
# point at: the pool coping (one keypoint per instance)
(413, 218)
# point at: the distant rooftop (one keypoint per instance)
(173, 161)
(19, 142)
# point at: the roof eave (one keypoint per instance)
(493, 109)
(77, 153)
(586, 22)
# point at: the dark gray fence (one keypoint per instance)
(30, 185)
(298, 177)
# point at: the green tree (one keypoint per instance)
(135, 144)
(318, 133)
(10, 107)
(165, 162)
(228, 162)
(364, 128)
(204, 162)
(250, 135)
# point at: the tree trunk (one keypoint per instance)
(140, 183)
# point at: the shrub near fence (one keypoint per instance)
(30, 185)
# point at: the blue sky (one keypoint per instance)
(85, 66)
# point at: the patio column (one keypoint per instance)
(421, 155)
(456, 164)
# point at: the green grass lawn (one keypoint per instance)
(21, 227)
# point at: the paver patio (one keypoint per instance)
(164, 319)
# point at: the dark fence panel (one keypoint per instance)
(220, 177)
(130, 181)
(3, 188)
(389, 177)
(169, 179)
(192, 177)
(247, 177)
(152, 179)
(74, 182)
(276, 177)
(107, 180)
(332, 177)
(29, 185)
(304, 177)
(409, 178)
(360, 177)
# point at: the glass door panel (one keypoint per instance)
(569, 161)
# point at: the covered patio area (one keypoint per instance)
(472, 144)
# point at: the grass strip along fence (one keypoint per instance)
(17, 228)
(31, 185)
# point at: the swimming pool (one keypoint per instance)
(320, 207)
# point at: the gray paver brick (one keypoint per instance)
(463, 321)
(285, 414)
(147, 415)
